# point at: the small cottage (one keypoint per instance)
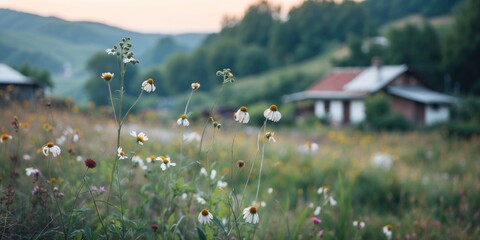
(16, 86)
(340, 94)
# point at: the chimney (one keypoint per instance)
(377, 64)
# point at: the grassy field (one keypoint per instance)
(426, 186)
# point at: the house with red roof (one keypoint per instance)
(340, 95)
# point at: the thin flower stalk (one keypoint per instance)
(228, 77)
(96, 207)
(263, 127)
(75, 203)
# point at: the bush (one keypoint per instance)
(380, 117)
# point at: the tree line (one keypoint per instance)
(263, 40)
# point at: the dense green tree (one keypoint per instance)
(177, 76)
(257, 24)
(418, 47)
(283, 42)
(164, 48)
(252, 60)
(198, 69)
(42, 77)
(314, 24)
(223, 54)
(383, 11)
(463, 48)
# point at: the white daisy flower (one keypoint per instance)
(388, 231)
(242, 115)
(222, 184)
(332, 201)
(31, 171)
(137, 160)
(110, 51)
(359, 224)
(272, 113)
(151, 158)
(51, 148)
(165, 162)
(317, 211)
(203, 172)
(148, 86)
(213, 174)
(107, 76)
(129, 60)
(121, 154)
(250, 215)
(75, 137)
(4, 137)
(269, 136)
(308, 147)
(195, 86)
(201, 200)
(190, 137)
(205, 217)
(270, 190)
(61, 140)
(183, 121)
(141, 137)
(322, 189)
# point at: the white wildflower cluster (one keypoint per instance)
(123, 50)
(227, 75)
(69, 134)
(308, 148)
(382, 160)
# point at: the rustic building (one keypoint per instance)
(16, 86)
(340, 95)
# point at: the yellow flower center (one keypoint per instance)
(389, 227)
(195, 85)
(50, 144)
(205, 212)
(122, 154)
(107, 76)
(274, 108)
(152, 157)
(244, 109)
(184, 116)
(230, 75)
(150, 81)
(140, 139)
(253, 210)
(4, 136)
(164, 159)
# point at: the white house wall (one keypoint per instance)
(336, 111)
(440, 114)
(357, 111)
(320, 109)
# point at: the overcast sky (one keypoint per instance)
(152, 16)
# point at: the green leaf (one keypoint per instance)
(201, 234)
(219, 224)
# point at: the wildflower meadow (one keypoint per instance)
(119, 173)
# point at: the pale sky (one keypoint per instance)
(152, 16)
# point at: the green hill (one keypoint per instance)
(63, 47)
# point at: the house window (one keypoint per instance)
(435, 106)
(327, 107)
